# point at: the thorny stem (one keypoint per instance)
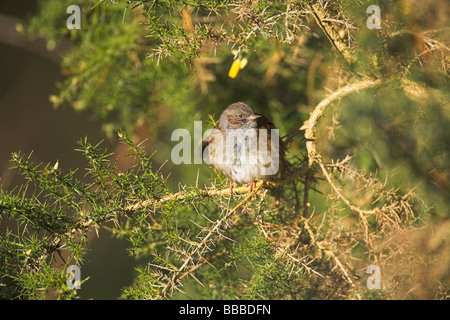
(217, 225)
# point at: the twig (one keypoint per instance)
(202, 263)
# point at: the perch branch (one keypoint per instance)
(212, 192)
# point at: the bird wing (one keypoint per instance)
(211, 138)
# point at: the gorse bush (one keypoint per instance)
(363, 112)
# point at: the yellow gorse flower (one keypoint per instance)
(236, 66)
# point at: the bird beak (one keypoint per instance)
(253, 116)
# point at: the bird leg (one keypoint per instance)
(232, 185)
(251, 185)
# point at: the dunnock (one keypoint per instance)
(244, 145)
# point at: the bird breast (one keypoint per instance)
(237, 154)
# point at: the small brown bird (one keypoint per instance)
(244, 145)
